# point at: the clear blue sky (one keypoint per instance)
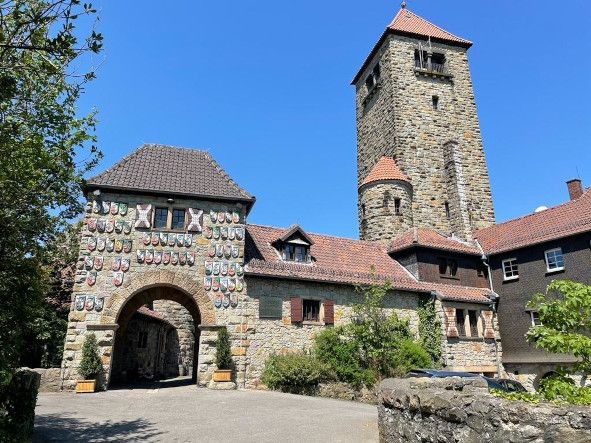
(264, 86)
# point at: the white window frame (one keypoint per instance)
(510, 277)
(558, 268)
(533, 322)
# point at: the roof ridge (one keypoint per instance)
(318, 234)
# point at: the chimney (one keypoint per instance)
(575, 189)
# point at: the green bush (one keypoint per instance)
(294, 373)
(223, 353)
(18, 399)
(406, 356)
(562, 389)
(90, 366)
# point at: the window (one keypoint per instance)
(295, 253)
(461, 322)
(554, 260)
(363, 209)
(397, 210)
(160, 218)
(447, 213)
(510, 269)
(435, 102)
(447, 267)
(372, 79)
(178, 219)
(311, 310)
(482, 271)
(473, 318)
(535, 318)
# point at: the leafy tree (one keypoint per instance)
(223, 353)
(90, 366)
(45, 146)
(430, 329)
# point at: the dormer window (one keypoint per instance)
(294, 245)
(297, 253)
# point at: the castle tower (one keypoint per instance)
(415, 104)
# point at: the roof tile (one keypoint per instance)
(431, 239)
(385, 169)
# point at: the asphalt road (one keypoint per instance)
(190, 414)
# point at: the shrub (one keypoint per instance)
(223, 353)
(294, 373)
(90, 367)
(18, 398)
(562, 389)
(406, 356)
(430, 329)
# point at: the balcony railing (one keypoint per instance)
(432, 68)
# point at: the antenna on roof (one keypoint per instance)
(403, 4)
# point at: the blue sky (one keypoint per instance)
(264, 86)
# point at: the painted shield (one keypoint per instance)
(217, 302)
(183, 258)
(149, 256)
(213, 216)
(123, 209)
(127, 246)
(191, 258)
(140, 254)
(163, 238)
(232, 269)
(91, 243)
(80, 276)
(208, 232)
(110, 247)
(219, 250)
(207, 283)
(188, 240)
(155, 239)
(239, 284)
(96, 207)
(127, 228)
(224, 268)
(223, 284)
(235, 217)
(228, 250)
(114, 208)
(125, 264)
(91, 223)
(101, 242)
(221, 217)
(91, 278)
(100, 224)
(147, 238)
(232, 233)
(98, 262)
(235, 251)
(216, 232)
(109, 226)
(157, 257)
(80, 263)
(118, 245)
(208, 267)
(239, 270)
(211, 250)
(80, 301)
(228, 217)
(224, 232)
(171, 239)
(118, 278)
(89, 304)
(180, 240)
(216, 267)
(239, 233)
(99, 304)
(226, 300)
(165, 257)
(116, 264)
(88, 262)
(233, 299)
(215, 285)
(106, 206)
(231, 284)
(119, 226)
(174, 258)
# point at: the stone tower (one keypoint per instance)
(416, 118)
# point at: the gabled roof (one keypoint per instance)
(340, 260)
(410, 24)
(429, 238)
(291, 231)
(572, 217)
(170, 170)
(385, 169)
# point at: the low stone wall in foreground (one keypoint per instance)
(462, 410)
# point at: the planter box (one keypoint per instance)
(220, 375)
(85, 386)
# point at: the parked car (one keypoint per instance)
(501, 384)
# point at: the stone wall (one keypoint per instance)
(51, 379)
(462, 410)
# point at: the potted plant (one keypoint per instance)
(223, 357)
(90, 366)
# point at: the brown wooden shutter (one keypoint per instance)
(489, 329)
(451, 328)
(328, 312)
(296, 310)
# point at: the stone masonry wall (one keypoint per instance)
(462, 410)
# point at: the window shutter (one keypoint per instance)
(296, 310)
(328, 312)
(451, 328)
(489, 329)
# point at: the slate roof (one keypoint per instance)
(170, 170)
(343, 261)
(572, 217)
(385, 169)
(430, 238)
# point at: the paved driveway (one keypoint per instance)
(187, 413)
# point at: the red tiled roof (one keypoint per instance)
(343, 261)
(431, 239)
(385, 169)
(144, 310)
(572, 217)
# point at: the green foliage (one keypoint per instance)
(223, 353)
(46, 147)
(408, 355)
(90, 366)
(565, 314)
(294, 373)
(522, 396)
(560, 388)
(430, 330)
(18, 399)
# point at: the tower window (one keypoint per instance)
(447, 213)
(363, 209)
(435, 102)
(397, 207)
(372, 79)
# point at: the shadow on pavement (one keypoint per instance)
(153, 384)
(62, 428)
